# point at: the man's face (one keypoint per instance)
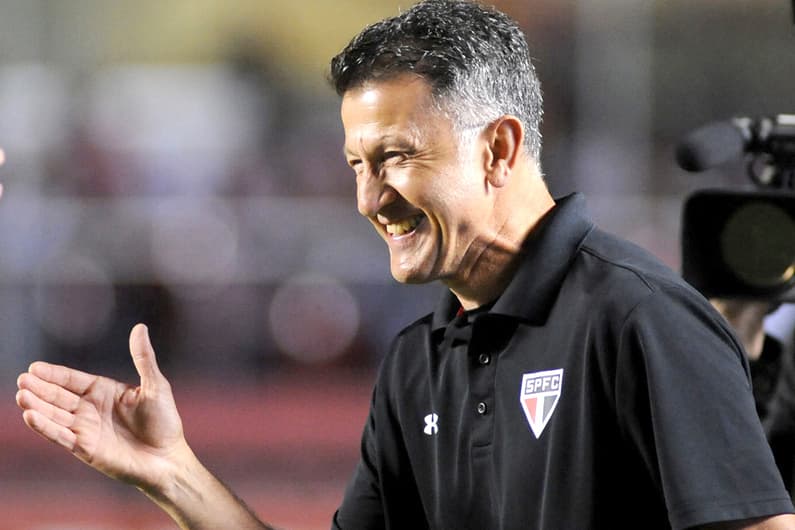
(422, 189)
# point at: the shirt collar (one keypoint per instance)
(546, 255)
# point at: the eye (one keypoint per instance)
(355, 163)
(393, 156)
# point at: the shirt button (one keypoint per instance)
(484, 358)
(482, 408)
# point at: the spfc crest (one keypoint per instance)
(539, 396)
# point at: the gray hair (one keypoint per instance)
(475, 58)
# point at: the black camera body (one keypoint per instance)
(741, 244)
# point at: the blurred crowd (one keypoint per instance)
(208, 197)
(209, 201)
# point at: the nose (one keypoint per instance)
(372, 193)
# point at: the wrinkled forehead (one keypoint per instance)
(396, 107)
(405, 95)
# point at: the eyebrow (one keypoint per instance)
(400, 141)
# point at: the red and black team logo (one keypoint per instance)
(539, 396)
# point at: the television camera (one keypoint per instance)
(738, 243)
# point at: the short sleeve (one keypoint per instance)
(361, 507)
(684, 399)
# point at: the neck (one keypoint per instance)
(486, 283)
(493, 264)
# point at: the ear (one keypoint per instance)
(505, 139)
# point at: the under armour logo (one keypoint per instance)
(430, 424)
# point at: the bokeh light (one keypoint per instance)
(77, 312)
(313, 319)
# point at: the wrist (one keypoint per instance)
(197, 500)
(179, 478)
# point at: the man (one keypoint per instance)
(567, 381)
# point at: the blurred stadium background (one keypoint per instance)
(179, 163)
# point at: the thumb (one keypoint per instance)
(143, 356)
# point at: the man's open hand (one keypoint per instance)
(131, 433)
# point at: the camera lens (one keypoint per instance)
(758, 245)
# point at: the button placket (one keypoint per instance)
(483, 366)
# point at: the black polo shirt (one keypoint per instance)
(598, 391)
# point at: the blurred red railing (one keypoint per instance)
(286, 446)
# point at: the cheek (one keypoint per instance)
(444, 195)
(457, 203)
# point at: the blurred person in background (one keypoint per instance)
(772, 373)
(566, 380)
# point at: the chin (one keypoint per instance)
(408, 278)
(413, 268)
(412, 280)
(411, 276)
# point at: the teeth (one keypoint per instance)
(403, 227)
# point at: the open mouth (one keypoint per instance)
(406, 226)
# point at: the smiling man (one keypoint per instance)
(451, 205)
(567, 380)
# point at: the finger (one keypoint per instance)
(49, 392)
(72, 380)
(27, 400)
(143, 356)
(49, 429)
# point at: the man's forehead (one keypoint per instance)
(399, 81)
(396, 111)
(396, 96)
(369, 94)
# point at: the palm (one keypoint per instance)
(123, 431)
